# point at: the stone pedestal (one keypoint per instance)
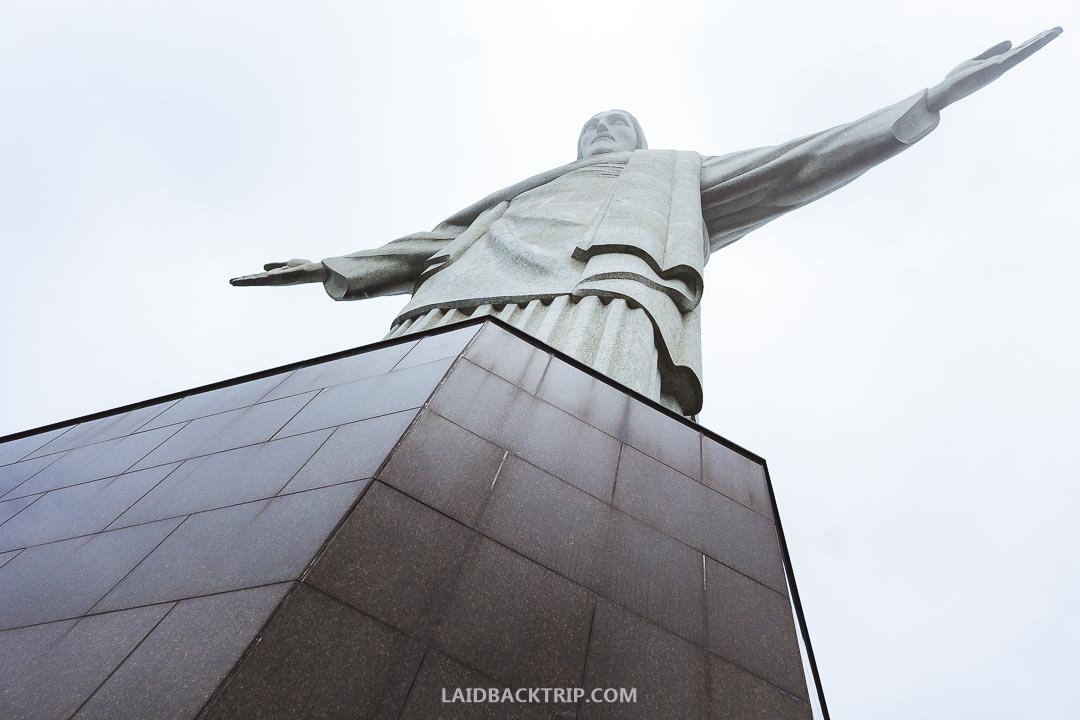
(362, 535)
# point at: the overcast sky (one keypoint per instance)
(903, 352)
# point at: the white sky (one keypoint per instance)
(903, 352)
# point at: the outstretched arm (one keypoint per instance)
(392, 269)
(743, 191)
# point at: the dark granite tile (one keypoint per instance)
(345, 370)
(78, 510)
(509, 357)
(478, 400)
(321, 659)
(437, 347)
(211, 402)
(65, 579)
(15, 450)
(444, 466)
(625, 651)
(381, 395)
(11, 476)
(354, 452)
(439, 673)
(94, 462)
(228, 478)
(514, 620)
(6, 556)
(585, 397)
(226, 431)
(752, 626)
(591, 543)
(531, 429)
(664, 438)
(738, 694)
(391, 558)
(179, 665)
(565, 447)
(549, 521)
(700, 517)
(105, 428)
(49, 670)
(738, 477)
(655, 576)
(235, 547)
(11, 508)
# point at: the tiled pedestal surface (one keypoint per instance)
(349, 538)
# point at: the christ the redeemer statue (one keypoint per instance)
(603, 258)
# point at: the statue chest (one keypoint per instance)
(554, 216)
(526, 249)
(634, 223)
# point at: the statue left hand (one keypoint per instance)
(291, 272)
(983, 69)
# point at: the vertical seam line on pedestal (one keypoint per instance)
(498, 470)
(412, 683)
(588, 644)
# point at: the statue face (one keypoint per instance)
(611, 131)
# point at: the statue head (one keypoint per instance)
(610, 131)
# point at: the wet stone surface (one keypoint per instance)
(350, 538)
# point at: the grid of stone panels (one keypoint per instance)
(537, 527)
(141, 552)
(612, 546)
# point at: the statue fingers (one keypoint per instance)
(247, 280)
(280, 274)
(1029, 47)
(295, 262)
(996, 50)
(1046, 35)
(285, 274)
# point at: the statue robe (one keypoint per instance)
(603, 258)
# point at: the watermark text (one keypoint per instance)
(538, 696)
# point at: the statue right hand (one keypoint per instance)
(292, 272)
(981, 70)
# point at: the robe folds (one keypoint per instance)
(604, 258)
